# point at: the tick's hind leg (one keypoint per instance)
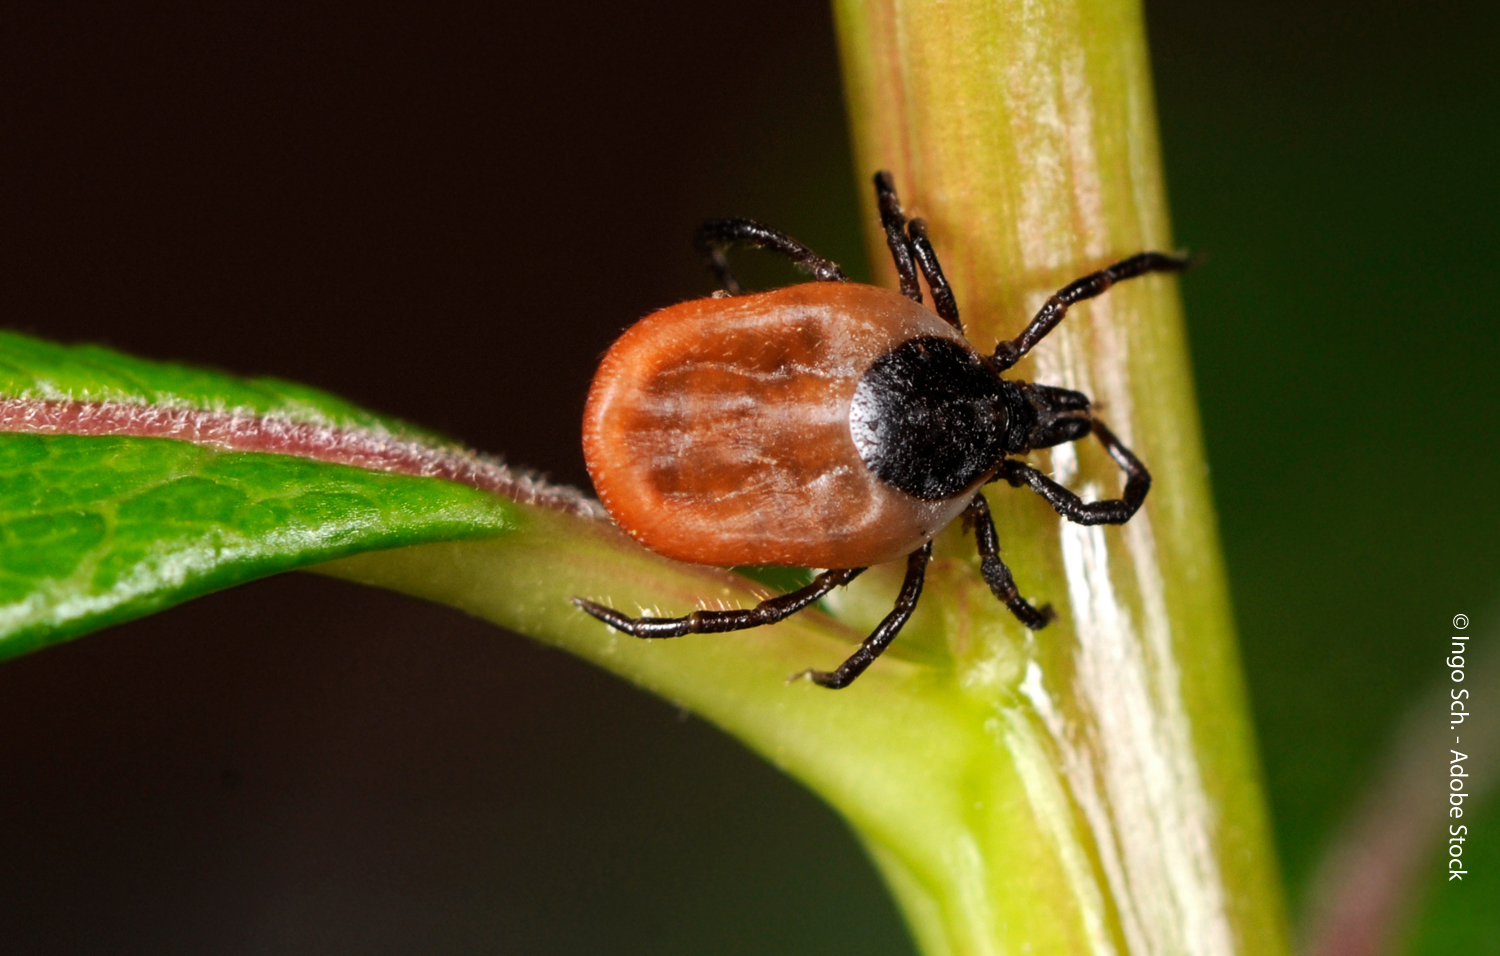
(881, 637)
(717, 235)
(1075, 509)
(996, 574)
(779, 608)
(713, 622)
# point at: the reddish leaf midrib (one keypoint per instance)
(239, 431)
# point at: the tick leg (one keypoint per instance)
(996, 574)
(1052, 312)
(713, 622)
(894, 222)
(881, 637)
(942, 295)
(716, 235)
(1075, 509)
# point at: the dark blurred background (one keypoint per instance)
(446, 213)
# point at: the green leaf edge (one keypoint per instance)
(35, 368)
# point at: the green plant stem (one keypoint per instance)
(1025, 133)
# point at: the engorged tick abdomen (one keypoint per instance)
(717, 431)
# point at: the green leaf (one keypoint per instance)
(96, 529)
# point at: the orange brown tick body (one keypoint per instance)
(830, 425)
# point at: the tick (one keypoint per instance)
(831, 425)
